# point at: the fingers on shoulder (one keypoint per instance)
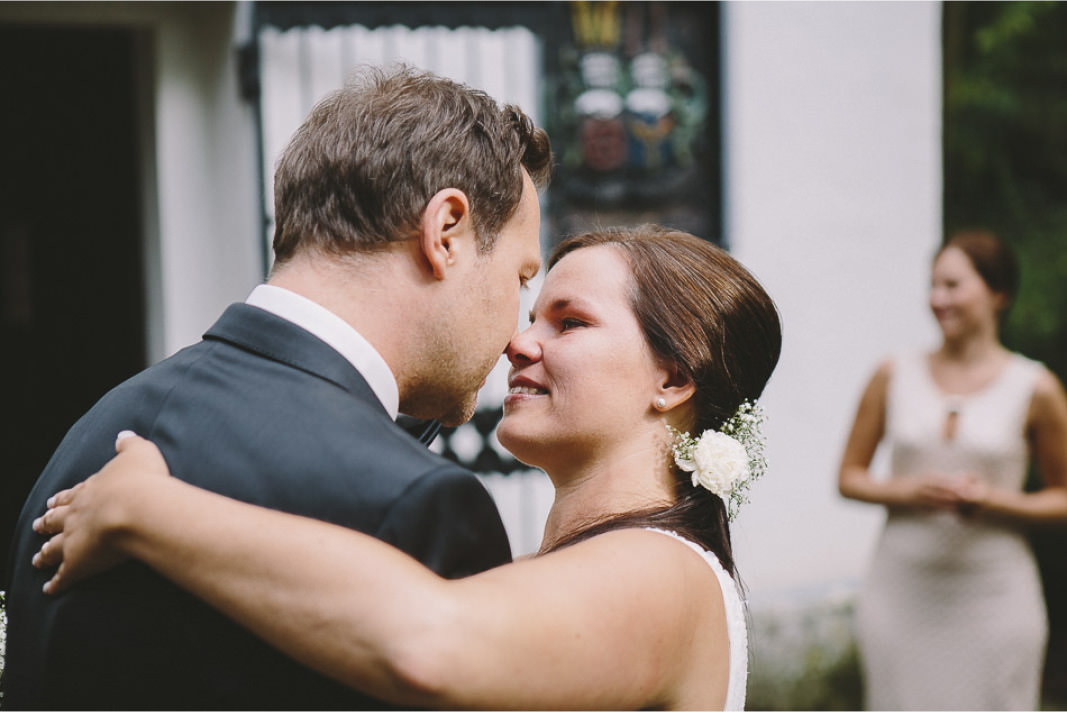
(51, 553)
(65, 497)
(51, 521)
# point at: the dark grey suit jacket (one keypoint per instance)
(265, 412)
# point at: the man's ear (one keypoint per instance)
(446, 218)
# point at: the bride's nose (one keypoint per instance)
(523, 348)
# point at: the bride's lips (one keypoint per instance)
(521, 387)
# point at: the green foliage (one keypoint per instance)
(804, 656)
(1006, 152)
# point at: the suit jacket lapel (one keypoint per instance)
(256, 330)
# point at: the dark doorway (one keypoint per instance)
(72, 319)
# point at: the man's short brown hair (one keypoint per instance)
(359, 172)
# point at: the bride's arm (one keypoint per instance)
(594, 625)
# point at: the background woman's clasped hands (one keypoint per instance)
(963, 493)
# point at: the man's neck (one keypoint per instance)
(371, 293)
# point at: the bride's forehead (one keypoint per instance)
(580, 289)
(590, 265)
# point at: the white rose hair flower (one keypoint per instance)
(725, 461)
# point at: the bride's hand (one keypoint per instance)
(84, 521)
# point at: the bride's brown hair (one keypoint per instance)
(703, 312)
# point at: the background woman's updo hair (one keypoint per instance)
(702, 311)
(992, 258)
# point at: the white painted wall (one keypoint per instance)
(203, 246)
(833, 198)
(206, 157)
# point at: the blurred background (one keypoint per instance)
(829, 146)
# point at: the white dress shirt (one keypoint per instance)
(336, 332)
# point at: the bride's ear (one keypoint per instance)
(675, 389)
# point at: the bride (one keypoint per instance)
(634, 389)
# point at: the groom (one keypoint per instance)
(407, 218)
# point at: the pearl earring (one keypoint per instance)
(661, 403)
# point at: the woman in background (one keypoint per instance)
(952, 614)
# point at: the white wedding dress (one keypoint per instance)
(736, 627)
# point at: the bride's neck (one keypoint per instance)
(607, 487)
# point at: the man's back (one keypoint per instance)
(264, 412)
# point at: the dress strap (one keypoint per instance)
(736, 626)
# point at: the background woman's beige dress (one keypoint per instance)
(952, 615)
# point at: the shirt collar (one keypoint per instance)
(336, 332)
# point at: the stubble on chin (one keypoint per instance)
(451, 402)
(461, 413)
(447, 385)
(450, 412)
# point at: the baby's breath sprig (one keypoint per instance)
(728, 460)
